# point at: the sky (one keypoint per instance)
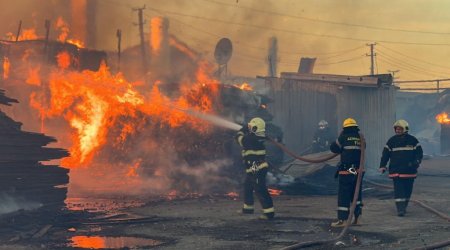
(412, 36)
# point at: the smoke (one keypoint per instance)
(9, 204)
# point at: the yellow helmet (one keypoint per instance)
(402, 124)
(349, 122)
(257, 126)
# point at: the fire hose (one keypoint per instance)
(293, 155)
(354, 201)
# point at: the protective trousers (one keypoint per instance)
(257, 182)
(347, 184)
(402, 192)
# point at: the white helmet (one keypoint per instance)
(402, 124)
(323, 124)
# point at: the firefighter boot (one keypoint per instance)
(357, 220)
(339, 223)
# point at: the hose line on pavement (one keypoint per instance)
(352, 207)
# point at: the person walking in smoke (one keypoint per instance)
(348, 145)
(405, 155)
(251, 138)
(322, 137)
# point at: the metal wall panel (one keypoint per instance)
(299, 105)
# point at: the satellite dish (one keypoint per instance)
(223, 51)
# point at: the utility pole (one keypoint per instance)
(119, 41)
(141, 33)
(372, 55)
(47, 35)
(19, 30)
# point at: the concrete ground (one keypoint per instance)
(212, 222)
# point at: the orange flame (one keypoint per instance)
(33, 76)
(26, 34)
(6, 67)
(443, 118)
(63, 29)
(245, 86)
(91, 102)
(156, 34)
(64, 33)
(63, 59)
(76, 42)
(275, 192)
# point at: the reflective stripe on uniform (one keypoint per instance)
(403, 149)
(259, 167)
(240, 136)
(403, 175)
(387, 147)
(268, 210)
(253, 152)
(342, 208)
(352, 147)
(248, 207)
(400, 200)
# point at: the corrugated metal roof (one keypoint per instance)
(357, 81)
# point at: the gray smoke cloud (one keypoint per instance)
(10, 203)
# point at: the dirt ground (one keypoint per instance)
(212, 222)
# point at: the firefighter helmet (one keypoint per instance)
(402, 124)
(257, 126)
(349, 122)
(323, 124)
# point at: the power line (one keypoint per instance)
(413, 58)
(292, 53)
(407, 68)
(400, 61)
(328, 21)
(296, 32)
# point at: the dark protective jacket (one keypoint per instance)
(405, 155)
(348, 144)
(253, 150)
(322, 140)
(323, 137)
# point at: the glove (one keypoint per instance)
(244, 129)
(382, 170)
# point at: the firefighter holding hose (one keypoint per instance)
(348, 145)
(251, 138)
(405, 155)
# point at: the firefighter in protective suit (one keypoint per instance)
(405, 155)
(348, 145)
(322, 137)
(251, 138)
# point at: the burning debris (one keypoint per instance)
(132, 137)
